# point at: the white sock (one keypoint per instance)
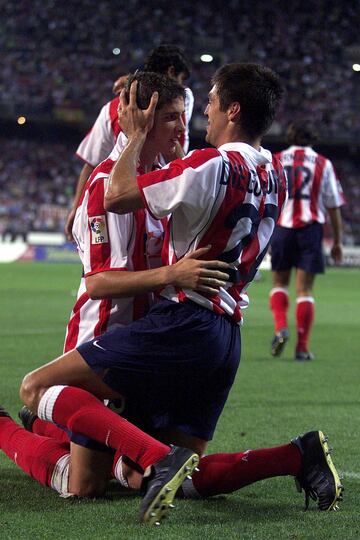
(47, 402)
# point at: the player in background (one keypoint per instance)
(169, 60)
(181, 360)
(99, 142)
(297, 241)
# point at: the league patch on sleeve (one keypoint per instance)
(99, 233)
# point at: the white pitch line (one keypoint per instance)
(32, 331)
(350, 474)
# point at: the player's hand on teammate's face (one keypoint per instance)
(132, 119)
(199, 275)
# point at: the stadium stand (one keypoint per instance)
(52, 63)
(36, 184)
(57, 73)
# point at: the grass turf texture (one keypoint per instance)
(273, 400)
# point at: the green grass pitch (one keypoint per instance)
(273, 400)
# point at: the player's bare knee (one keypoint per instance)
(31, 391)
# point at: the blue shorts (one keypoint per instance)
(175, 366)
(299, 248)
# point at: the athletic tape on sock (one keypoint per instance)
(118, 473)
(60, 477)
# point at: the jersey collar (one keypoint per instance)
(259, 157)
(295, 147)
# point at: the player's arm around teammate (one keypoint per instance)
(189, 272)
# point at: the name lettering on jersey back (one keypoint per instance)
(99, 232)
(248, 180)
(306, 157)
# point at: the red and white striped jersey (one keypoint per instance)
(100, 140)
(229, 197)
(313, 187)
(108, 242)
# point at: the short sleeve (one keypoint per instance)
(332, 191)
(100, 140)
(191, 182)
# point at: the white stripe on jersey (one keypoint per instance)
(189, 106)
(313, 187)
(98, 143)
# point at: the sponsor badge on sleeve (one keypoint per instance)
(99, 233)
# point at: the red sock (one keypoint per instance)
(35, 455)
(225, 473)
(279, 305)
(81, 412)
(47, 429)
(305, 312)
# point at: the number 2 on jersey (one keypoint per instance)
(298, 181)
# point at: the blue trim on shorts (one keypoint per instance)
(175, 366)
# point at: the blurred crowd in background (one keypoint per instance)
(37, 183)
(36, 186)
(56, 54)
(59, 61)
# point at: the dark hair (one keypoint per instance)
(148, 83)
(165, 56)
(302, 133)
(256, 88)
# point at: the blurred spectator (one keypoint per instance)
(37, 182)
(36, 185)
(52, 61)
